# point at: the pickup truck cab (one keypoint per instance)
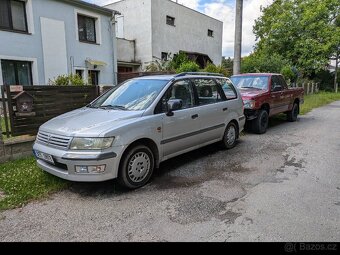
(264, 95)
(131, 129)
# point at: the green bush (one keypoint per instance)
(288, 73)
(66, 80)
(211, 68)
(190, 66)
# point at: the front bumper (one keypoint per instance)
(250, 114)
(66, 161)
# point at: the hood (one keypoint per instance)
(88, 122)
(248, 93)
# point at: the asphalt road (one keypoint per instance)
(280, 186)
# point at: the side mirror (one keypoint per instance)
(277, 88)
(173, 105)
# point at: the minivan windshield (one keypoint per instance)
(133, 95)
(251, 82)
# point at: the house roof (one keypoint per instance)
(95, 7)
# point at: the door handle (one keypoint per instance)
(194, 116)
(225, 109)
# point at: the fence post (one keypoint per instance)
(312, 88)
(307, 88)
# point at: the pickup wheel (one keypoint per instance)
(293, 114)
(260, 124)
(136, 167)
(230, 136)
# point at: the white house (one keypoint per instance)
(41, 39)
(150, 29)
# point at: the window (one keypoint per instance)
(210, 33)
(93, 77)
(87, 29)
(170, 21)
(164, 56)
(80, 73)
(228, 88)
(208, 91)
(276, 83)
(16, 72)
(13, 15)
(179, 90)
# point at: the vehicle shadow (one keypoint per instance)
(109, 188)
(277, 120)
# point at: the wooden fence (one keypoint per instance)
(48, 102)
(309, 87)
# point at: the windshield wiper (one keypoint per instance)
(119, 107)
(249, 88)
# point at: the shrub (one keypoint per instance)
(66, 80)
(190, 66)
(211, 68)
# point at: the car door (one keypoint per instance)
(277, 103)
(180, 130)
(212, 108)
(287, 95)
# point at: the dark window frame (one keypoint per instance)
(210, 33)
(16, 62)
(170, 20)
(164, 56)
(10, 18)
(79, 15)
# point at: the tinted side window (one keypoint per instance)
(207, 90)
(228, 88)
(179, 90)
(275, 82)
(283, 82)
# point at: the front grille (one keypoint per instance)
(54, 140)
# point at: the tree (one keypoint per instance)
(304, 32)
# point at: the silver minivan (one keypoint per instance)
(128, 131)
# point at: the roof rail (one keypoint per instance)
(198, 73)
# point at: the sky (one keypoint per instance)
(224, 10)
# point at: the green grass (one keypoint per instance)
(317, 100)
(21, 181)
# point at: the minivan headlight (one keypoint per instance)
(249, 104)
(80, 143)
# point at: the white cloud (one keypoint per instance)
(224, 10)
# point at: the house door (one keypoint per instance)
(93, 77)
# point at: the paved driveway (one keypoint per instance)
(280, 186)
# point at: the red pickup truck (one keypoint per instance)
(264, 95)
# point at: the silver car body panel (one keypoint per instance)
(172, 135)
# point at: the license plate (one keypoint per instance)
(44, 156)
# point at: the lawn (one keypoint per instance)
(22, 181)
(317, 100)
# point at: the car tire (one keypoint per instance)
(230, 136)
(136, 167)
(260, 124)
(293, 114)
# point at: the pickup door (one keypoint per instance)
(280, 96)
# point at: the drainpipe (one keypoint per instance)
(114, 44)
